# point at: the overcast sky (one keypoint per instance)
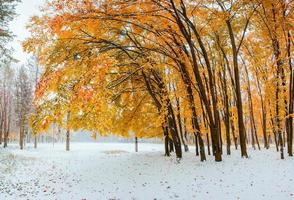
(24, 10)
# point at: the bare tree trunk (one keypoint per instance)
(1, 127)
(278, 127)
(274, 132)
(136, 144)
(6, 135)
(238, 93)
(252, 119)
(171, 145)
(257, 141)
(68, 132)
(5, 139)
(279, 75)
(166, 141)
(276, 142)
(280, 139)
(174, 131)
(196, 144)
(67, 140)
(21, 135)
(227, 119)
(180, 125)
(36, 137)
(284, 138)
(289, 120)
(208, 144)
(35, 141)
(263, 110)
(5, 118)
(263, 113)
(185, 133)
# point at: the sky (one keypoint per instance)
(24, 10)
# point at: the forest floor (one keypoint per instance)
(98, 171)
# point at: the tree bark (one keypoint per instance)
(136, 144)
(196, 145)
(180, 125)
(238, 92)
(254, 136)
(289, 120)
(68, 133)
(226, 110)
(21, 136)
(1, 127)
(166, 142)
(171, 145)
(279, 75)
(35, 141)
(208, 144)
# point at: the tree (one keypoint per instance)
(33, 68)
(23, 99)
(6, 102)
(7, 12)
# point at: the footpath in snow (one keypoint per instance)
(98, 171)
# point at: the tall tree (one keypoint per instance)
(23, 100)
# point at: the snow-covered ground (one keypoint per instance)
(97, 171)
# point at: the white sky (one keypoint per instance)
(24, 10)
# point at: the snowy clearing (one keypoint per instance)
(114, 171)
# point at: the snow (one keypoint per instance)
(114, 171)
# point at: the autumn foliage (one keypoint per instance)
(217, 71)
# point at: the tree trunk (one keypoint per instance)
(235, 139)
(196, 144)
(68, 133)
(276, 142)
(220, 133)
(289, 120)
(279, 75)
(21, 136)
(195, 124)
(202, 148)
(5, 139)
(166, 141)
(1, 128)
(226, 115)
(263, 113)
(265, 140)
(180, 124)
(174, 132)
(208, 144)
(171, 145)
(136, 144)
(185, 134)
(278, 127)
(281, 144)
(6, 128)
(257, 141)
(274, 132)
(284, 138)
(251, 111)
(67, 140)
(238, 92)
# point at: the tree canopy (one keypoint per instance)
(172, 68)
